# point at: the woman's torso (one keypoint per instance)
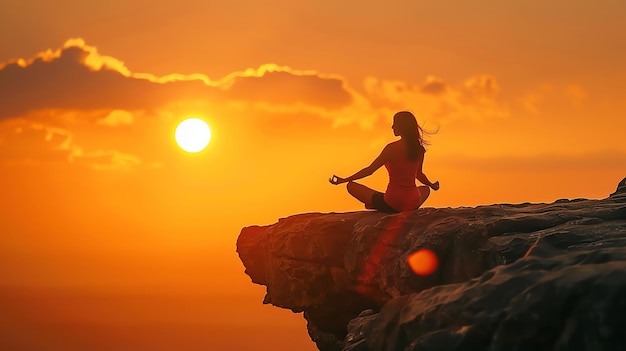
(402, 193)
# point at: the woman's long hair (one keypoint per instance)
(411, 133)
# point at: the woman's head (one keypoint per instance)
(405, 125)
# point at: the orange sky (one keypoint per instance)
(528, 98)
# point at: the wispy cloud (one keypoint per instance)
(105, 159)
(34, 143)
(116, 118)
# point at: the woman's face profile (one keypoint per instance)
(394, 127)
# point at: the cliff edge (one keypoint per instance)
(508, 276)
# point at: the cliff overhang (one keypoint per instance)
(349, 273)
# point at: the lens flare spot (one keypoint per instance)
(423, 262)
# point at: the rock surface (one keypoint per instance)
(510, 276)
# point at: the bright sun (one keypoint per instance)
(193, 135)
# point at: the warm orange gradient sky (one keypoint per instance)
(529, 100)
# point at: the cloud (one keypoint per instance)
(33, 143)
(90, 58)
(105, 159)
(545, 97)
(475, 98)
(68, 81)
(434, 85)
(116, 118)
(76, 76)
(481, 87)
(284, 86)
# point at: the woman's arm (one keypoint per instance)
(424, 179)
(367, 171)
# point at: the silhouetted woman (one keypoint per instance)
(403, 159)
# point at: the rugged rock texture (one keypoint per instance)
(510, 277)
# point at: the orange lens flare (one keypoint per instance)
(423, 262)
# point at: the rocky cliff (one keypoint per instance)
(508, 276)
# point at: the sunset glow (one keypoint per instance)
(104, 215)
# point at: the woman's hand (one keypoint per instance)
(435, 186)
(336, 180)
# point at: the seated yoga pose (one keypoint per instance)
(403, 160)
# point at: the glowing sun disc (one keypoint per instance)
(193, 135)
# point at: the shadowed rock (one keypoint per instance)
(621, 188)
(523, 276)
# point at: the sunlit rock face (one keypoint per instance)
(508, 276)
